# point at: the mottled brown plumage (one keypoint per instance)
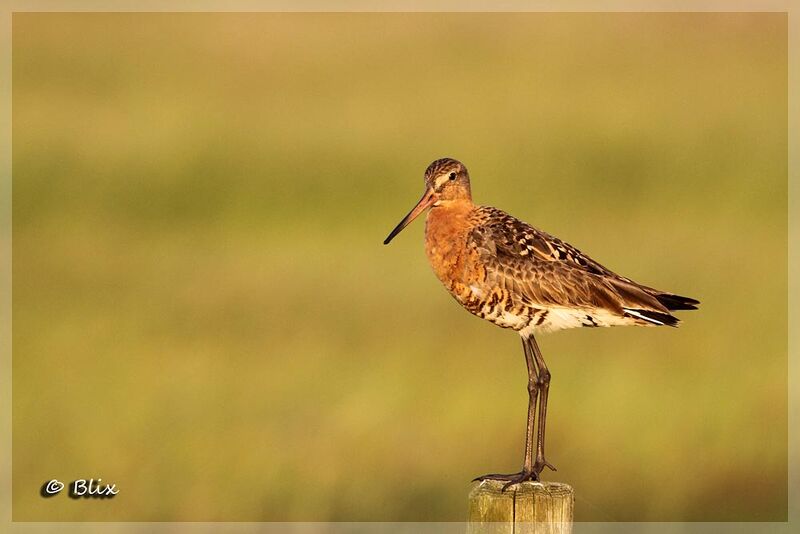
(517, 276)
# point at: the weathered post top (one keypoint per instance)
(531, 507)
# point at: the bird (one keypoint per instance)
(518, 277)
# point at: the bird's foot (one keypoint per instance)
(517, 478)
(541, 463)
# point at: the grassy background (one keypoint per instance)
(204, 313)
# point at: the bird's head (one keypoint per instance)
(446, 180)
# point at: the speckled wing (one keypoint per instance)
(514, 238)
(548, 273)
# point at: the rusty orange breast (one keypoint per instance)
(446, 229)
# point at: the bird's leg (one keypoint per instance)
(544, 387)
(533, 393)
(528, 467)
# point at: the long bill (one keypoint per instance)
(424, 203)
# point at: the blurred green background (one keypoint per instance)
(204, 313)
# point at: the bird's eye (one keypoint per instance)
(452, 176)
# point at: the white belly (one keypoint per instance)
(564, 318)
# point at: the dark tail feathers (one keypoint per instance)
(677, 302)
(654, 317)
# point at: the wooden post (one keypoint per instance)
(532, 507)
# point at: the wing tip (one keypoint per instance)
(677, 302)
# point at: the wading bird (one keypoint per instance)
(516, 276)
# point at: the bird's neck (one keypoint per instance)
(448, 215)
(454, 206)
